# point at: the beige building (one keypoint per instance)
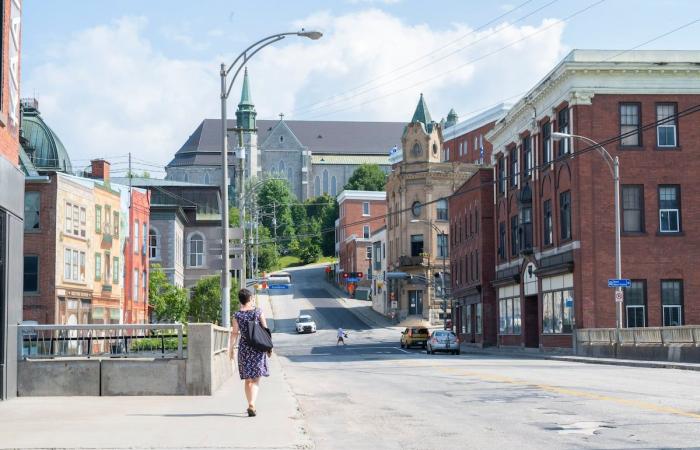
(418, 219)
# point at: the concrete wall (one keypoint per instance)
(675, 344)
(58, 378)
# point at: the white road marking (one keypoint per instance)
(372, 348)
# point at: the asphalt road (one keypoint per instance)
(373, 394)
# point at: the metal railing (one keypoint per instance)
(640, 336)
(221, 339)
(98, 340)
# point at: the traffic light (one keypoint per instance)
(359, 275)
(346, 275)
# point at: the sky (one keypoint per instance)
(114, 77)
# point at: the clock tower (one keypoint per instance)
(422, 138)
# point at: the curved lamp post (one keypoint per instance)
(614, 166)
(226, 87)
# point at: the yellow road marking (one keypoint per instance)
(573, 392)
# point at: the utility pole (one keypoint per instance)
(274, 224)
(241, 205)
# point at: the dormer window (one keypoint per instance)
(281, 138)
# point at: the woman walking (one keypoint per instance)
(252, 363)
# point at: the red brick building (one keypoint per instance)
(554, 221)
(136, 256)
(361, 214)
(464, 141)
(472, 260)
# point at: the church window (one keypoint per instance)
(333, 186)
(185, 178)
(281, 166)
(281, 138)
(416, 149)
(289, 175)
(317, 186)
(207, 180)
(325, 181)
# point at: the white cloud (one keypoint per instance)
(108, 91)
(386, 2)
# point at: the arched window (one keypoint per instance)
(442, 209)
(185, 178)
(289, 175)
(333, 186)
(325, 181)
(153, 248)
(196, 250)
(207, 180)
(281, 167)
(317, 186)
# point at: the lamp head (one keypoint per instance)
(415, 220)
(313, 35)
(557, 136)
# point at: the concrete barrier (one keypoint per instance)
(208, 362)
(58, 378)
(143, 377)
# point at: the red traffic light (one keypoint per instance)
(360, 274)
(346, 275)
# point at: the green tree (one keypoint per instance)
(367, 177)
(324, 209)
(275, 201)
(205, 304)
(309, 250)
(267, 253)
(169, 302)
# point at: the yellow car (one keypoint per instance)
(412, 336)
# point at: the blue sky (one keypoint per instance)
(128, 75)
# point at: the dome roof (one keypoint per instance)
(42, 145)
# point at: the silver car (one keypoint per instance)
(443, 341)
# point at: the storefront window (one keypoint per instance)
(478, 318)
(509, 315)
(557, 311)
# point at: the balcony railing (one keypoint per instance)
(410, 261)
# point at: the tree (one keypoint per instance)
(267, 253)
(309, 250)
(169, 302)
(275, 200)
(324, 209)
(367, 177)
(205, 304)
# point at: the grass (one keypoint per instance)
(293, 261)
(327, 259)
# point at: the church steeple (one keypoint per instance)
(422, 115)
(245, 114)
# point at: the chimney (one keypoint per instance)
(100, 169)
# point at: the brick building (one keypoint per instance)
(11, 197)
(554, 213)
(464, 141)
(472, 260)
(361, 214)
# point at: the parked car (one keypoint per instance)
(443, 341)
(412, 336)
(305, 324)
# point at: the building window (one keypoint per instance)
(527, 156)
(196, 248)
(635, 304)
(98, 266)
(82, 266)
(135, 286)
(563, 127)
(207, 180)
(509, 315)
(666, 130)
(32, 206)
(502, 240)
(108, 268)
(672, 302)
(501, 176)
(83, 222)
(514, 167)
(557, 312)
(74, 265)
(144, 284)
(442, 213)
(565, 215)
(514, 236)
(365, 208)
(416, 209)
(547, 238)
(116, 224)
(547, 143)
(630, 125)
(632, 208)
(153, 249)
(317, 186)
(478, 318)
(525, 236)
(443, 251)
(669, 209)
(115, 271)
(136, 240)
(325, 181)
(31, 274)
(98, 219)
(365, 231)
(416, 244)
(144, 238)
(368, 252)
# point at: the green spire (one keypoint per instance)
(452, 118)
(245, 114)
(422, 114)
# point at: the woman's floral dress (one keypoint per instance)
(252, 363)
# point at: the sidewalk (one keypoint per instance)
(361, 308)
(580, 359)
(218, 421)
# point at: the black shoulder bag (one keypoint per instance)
(258, 337)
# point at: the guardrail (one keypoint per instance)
(640, 336)
(221, 339)
(99, 340)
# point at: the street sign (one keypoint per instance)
(352, 280)
(619, 297)
(619, 282)
(394, 304)
(278, 286)
(569, 302)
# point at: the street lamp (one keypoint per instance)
(444, 258)
(226, 87)
(614, 165)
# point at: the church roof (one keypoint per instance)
(203, 147)
(246, 98)
(42, 146)
(382, 160)
(422, 114)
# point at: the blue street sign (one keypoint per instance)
(278, 286)
(352, 280)
(569, 302)
(619, 282)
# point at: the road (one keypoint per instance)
(373, 394)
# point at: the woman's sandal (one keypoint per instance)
(251, 412)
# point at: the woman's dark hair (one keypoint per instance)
(244, 296)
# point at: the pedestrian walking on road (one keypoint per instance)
(341, 336)
(252, 363)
